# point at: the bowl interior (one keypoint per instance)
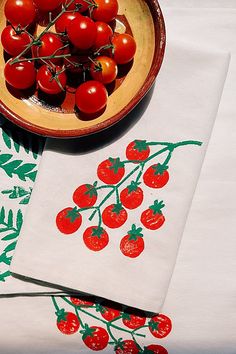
(147, 26)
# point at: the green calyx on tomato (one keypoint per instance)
(153, 325)
(91, 190)
(87, 331)
(73, 214)
(157, 207)
(135, 232)
(116, 164)
(117, 208)
(61, 315)
(159, 169)
(97, 231)
(133, 186)
(140, 145)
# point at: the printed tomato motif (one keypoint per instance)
(114, 216)
(156, 176)
(95, 238)
(68, 220)
(137, 150)
(160, 326)
(109, 311)
(81, 301)
(152, 218)
(132, 245)
(132, 196)
(67, 322)
(155, 349)
(134, 320)
(111, 171)
(127, 347)
(85, 195)
(95, 338)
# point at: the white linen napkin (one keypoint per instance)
(181, 111)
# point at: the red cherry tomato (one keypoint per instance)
(14, 42)
(81, 4)
(124, 48)
(67, 323)
(137, 150)
(134, 320)
(132, 196)
(50, 44)
(110, 311)
(105, 10)
(114, 216)
(51, 81)
(104, 34)
(155, 349)
(20, 12)
(47, 5)
(160, 326)
(95, 238)
(81, 302)
(68, 221)
(111, 171)
(82, 32)
(152, 218)
(104, 69)
(127, 347)
(21, 75)
(64, 20)
(156, 176)
(95, 338)
(85, 196)
(132, 245)
(91, 97)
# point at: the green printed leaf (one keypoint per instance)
(10, 247)
(11, 166)
(24, 169)
(2, 214)
(10, 236)
(10, 219)
(4, 275)
(6, 139)
(32, 175)
(15, 167)
(18, 192)
(25, 200)
(4, 158)
(19, 220)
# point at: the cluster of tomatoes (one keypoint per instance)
(111, 173)
(97, 338)
(83, 44)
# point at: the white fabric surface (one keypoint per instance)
(183, 107)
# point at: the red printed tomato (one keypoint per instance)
(134, 320)
(80, 301)
(20, 12)
(114, 216)
(14, 42)
(85, 195)
(127, 347)
(137, 150)
(105, 10)
(152, 218)
(82, 32)
(132, 245)
(110, 311)
(47, 5)
(111, 171)
(95, 238)
(51, 81)
(68, 220)
(91, 97)
(21, 75)
(132, 196)
(155, 349)
(156, 176)
(124, 48)
(104, 69)
(95, 338)
(160, 326)
(80, 4)
(104, 34)
(67, 322)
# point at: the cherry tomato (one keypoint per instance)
(67, 322)
(127, 347)
(47, 5)
(21, 75)
(110, 312)
(104, 69)
(155, 349)
(95, 238)
(20, 12)
(85, 196)
(134, 320)
(14, 42)
(111, 171)
(114, 216)
(51, 81)
(124, 48)
(156, 176)
(95, 338)
(82, 32)
(104, 34)
(105, 10)
(132, 245)
(160, 326)
(50, 44)
(91, 97)
(81, 4)
(73, 64)
(152, 218)
(137, 150)
(81, 302)
(68, 221)
(132, 196)
(64, 20)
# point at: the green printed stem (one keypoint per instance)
(79, 318)
(57, 308)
